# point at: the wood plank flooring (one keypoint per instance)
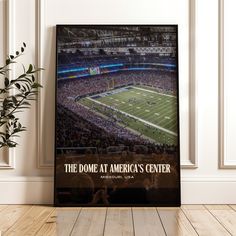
(189, 220)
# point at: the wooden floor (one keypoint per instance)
(188, 220)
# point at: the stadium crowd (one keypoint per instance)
(87, 129)
(161, 80)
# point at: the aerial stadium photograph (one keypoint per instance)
(117, 116)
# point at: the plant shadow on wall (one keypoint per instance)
(16, 95)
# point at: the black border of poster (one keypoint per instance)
(178, 202)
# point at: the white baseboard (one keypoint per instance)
(194, 190)
(26, 190)
(208, 190)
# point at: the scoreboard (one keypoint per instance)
(94, 70)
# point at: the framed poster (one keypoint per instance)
(117, 116)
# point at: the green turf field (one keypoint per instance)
(141, 109)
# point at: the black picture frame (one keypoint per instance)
(65, 194)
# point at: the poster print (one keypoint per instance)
(117, 126)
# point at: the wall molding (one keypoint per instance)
(7, 160)
(18, 190)
(39, 36)
(8, 155)
(192, 161)
(223, 162)
(42, 162)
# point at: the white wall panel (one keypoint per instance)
(227, 84)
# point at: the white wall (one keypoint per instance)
(26, 172)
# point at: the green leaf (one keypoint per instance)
(5, 103)
(27, 93)
(6, 82)
(23, 88)
(36, 85)
(29, 69)
(22, 76)
(17, 85)
(14, 100)
(11, 144)
(8, 61)
(11, 117)
(25, 103)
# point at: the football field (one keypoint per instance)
(141, 109)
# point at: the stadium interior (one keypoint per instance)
(103, 61)
(92, 61)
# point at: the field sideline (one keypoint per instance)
(144, 110)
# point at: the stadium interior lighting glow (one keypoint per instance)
(168, 65)
(110, 71)
(74, 76)
(73, 70)
(157, 64)
(140, 68)
(112, 65)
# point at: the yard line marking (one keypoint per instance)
(157, 114)
(135, 117)
(167, 117)
(130, 105)
(137, 93)
(147, 110)
(151, 97)
(117, 100)
(110, 97)
(123, 102)
(138, 107)
(154, 92)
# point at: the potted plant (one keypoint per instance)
(16, 95)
